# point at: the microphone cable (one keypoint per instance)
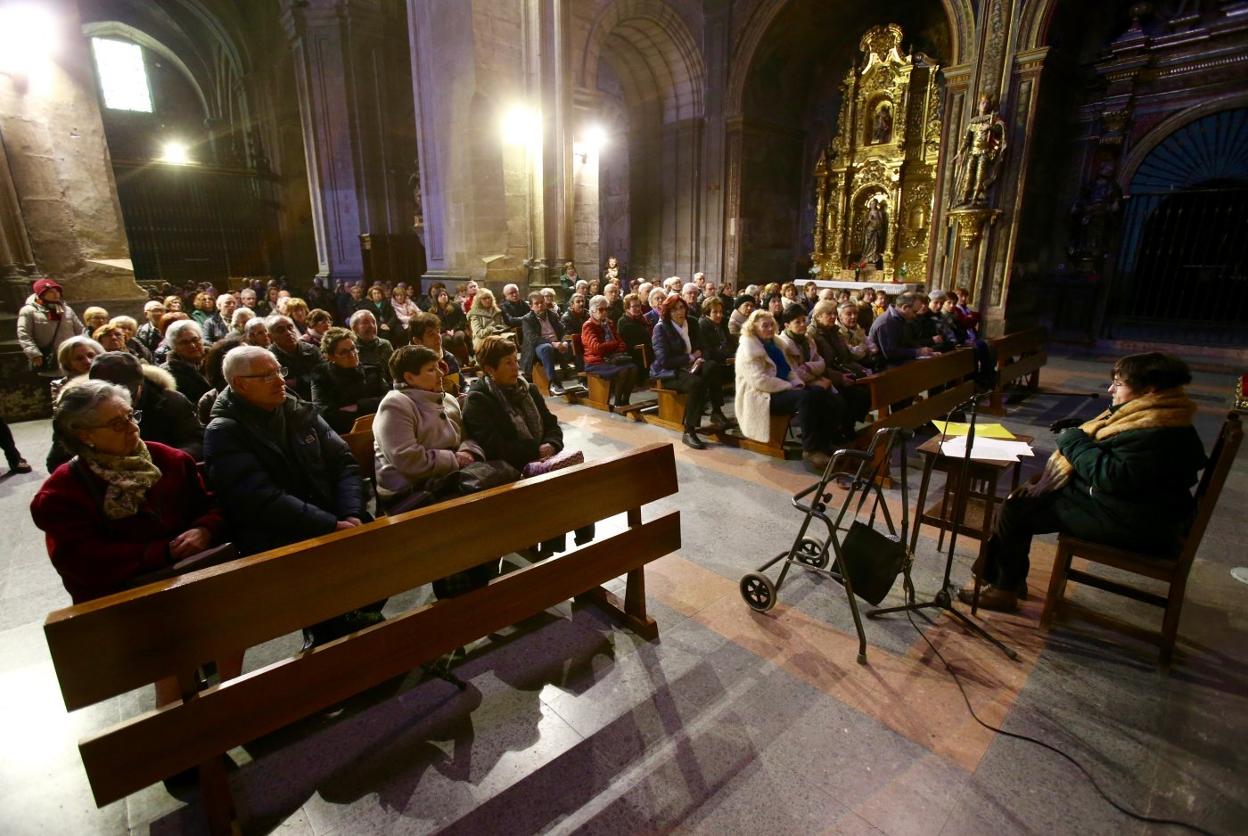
(1091, 780)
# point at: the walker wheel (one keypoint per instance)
(758, 591)
(811, 553)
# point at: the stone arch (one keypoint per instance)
(124, 31)
(662, 65)
(959, 13)
(1167, 127)
(1036, 17)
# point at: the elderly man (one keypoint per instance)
(544, 341)
(299, 359)
(514, 308)
(615, 301)
(893, 335)
(247, 298)
(218, 325)
(149, 332)
(374, 350)
(693, 300)
(281, 474)
(256, 332)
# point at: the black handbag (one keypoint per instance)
(872, 560)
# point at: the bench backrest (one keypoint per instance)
(115, 644)
(905, 381)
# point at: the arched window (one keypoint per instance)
(122, 74)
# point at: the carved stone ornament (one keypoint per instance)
(971, 221)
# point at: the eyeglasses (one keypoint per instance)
(188, 340)
(267, 377)
(346, 352)
(121, 424)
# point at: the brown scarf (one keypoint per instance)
(129, 478)
(1167, 408)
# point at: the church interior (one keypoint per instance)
(1079, 170)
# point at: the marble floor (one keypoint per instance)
(731, 721)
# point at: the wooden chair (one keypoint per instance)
(363, 424)
(361, 444)
(1171, 571)
(115, 644)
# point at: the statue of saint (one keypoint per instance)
(413, 184)
(979, 157)
(882, 129)
(873, 232)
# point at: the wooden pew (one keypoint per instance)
(115, 644)
(598, 390)
(1019, 355)
(777, 444)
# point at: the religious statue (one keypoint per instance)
(980, 155)
(873, 231)
(612, 273)
(1092, 217)
(418, 209)
(882, 129)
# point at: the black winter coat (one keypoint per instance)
(486, 422)
(300, 365)
(280, 479)
(334, 389)
(191, 382)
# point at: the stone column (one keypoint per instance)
(17, 261)
(341, 81)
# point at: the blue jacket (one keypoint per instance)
(894, 338)
(282, 489)
(531, 337)
(670, 355)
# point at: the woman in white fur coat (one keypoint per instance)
(768, 385)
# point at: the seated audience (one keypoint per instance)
(297, 310)
(894, 337)
(514, 308)
(947, 325)
(860, 345)
(74, 357)
(419, 429)
(404, 309)
(149, 332)
(300, 360)
(342, 389)
(505, 414)
(167, 416)
(374, 351)
(717, 343)
(163, 348)
(466, 293)
(615, 300)
(692, 296)
(203, 306)
(810, 296)
(173, 304)
(281, 474)
(606, 355)
(573, 319)
(218, 325)
(123, 507)
(968, 318)
(843, 368)
(485, 319)
(379, 306)
(678, 363)
(186, 359)
(767, 385)
(214, 362)
(925, 327)
(635, 329)
(802, 355)
(742, 307)
(427, 331)
(319, 321)
(552, 301)
(239, 320)
(110, 337)
(543, 340)
(1123, 479)
(94, 317)
(256, 332)
(454, 324)
(656, 299)
(129, 329)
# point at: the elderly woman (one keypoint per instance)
(742, 307)
(803, 357)
(861, 346)
(297, 310)
(767, 385)
(74, 356)
(655, 301)
(238, 322)
(204, 305)
(44, 323)
(186, 358)
(419, 429)
(606, 354)
(123, 507)
(129, 329)
(214, 363)
(319, 321)
(1123, 478)
(485, 319)
(717, 343)
(679, 364)
(163, 348)
(376, 303)
(342, 389)
(635, 329)
(504, 413)
(94, 317)
(110, 337)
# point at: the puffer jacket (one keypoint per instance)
(37, 332)
(416, 436)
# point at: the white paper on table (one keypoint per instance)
(987, 449)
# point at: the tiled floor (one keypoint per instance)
(731, 721)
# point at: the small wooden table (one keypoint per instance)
(981, 499)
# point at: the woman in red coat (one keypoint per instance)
(122, 507)
(606, 355)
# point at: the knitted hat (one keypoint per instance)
(44, 285)
(742, 299)
(118, 367)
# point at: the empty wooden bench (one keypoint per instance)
(1019, 355)
(112, 645)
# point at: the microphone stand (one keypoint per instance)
(943, 600)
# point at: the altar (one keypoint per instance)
(891, 288)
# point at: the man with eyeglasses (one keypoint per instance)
(300, 359)
(279, 471)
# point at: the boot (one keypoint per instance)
(691, 439)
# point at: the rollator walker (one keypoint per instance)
(864, 469)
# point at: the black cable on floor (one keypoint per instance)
(1137, 816)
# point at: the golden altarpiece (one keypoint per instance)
(875, 180)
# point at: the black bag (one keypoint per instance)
(620, 358)
(873, 561)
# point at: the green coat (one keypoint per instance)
(1133, 489)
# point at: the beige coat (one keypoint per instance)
(808, 371)
(756, 381)
(415, 437)
(485, 323)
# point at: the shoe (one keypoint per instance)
(816, 460)
(719, 419)
(21, 466)
(556, 389)
(691, 440)
(990, 598)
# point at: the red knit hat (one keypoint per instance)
(44, 285)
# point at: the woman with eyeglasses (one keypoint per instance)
(342, 389)
(121, 507)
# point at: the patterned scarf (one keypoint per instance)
(519, 405)
(129, 478)
(1167, 408)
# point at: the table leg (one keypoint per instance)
(928, 464)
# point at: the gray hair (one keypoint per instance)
(66, 349)
(76, 408)
(241, 317)
(153, 304)
(176, 329)
(688, 286)
(222, 298)
(123, 320)
(254, 324)
(510, 287)
(658, 291)
(358, 315)
(275, 320)
(597, 302)
(239, 361)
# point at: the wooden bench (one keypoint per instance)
(670, 413)
(1021, 354)
(598, 389)
(115, 644)
(777, 444)
(908, 383)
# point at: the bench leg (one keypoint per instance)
(214, 795)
